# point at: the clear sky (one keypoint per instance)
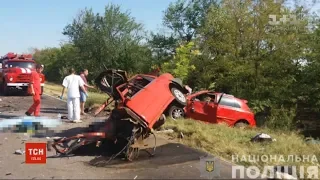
(39, 23)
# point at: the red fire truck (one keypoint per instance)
(15, 72)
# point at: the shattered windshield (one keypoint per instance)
(20, 64)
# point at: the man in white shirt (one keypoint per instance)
(72, 82)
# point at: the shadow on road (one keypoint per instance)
(167, 154)
(3, 116)
(54, 109)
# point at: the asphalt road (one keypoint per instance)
(172, 160)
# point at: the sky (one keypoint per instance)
(29, 24)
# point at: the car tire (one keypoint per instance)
(179, 96)
(176, 112)
(241, 125)
(5, 90)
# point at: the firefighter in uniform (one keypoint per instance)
(35, 90)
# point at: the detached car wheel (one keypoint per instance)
(179, 96)
(176, 112)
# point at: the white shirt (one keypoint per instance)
(73, 82)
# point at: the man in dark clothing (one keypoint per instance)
(35, 90)
(83, 96)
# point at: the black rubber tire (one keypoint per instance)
(4, 89)
(184, 102)
(174, 108)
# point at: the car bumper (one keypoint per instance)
(20, 84)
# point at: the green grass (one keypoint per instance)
(226, 142)
(94, 98)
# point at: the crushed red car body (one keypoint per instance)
(141, 104)
(214, 107)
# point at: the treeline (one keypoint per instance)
(233, 46)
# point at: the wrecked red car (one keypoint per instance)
(214, 107)
(140, 105)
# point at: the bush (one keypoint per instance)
(281, 119)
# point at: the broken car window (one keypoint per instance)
(206, 97)
(229, 101)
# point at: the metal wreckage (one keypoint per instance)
(141, 105)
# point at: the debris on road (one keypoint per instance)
(262, 137)
(166, 131)
(19, 152)
(8, 174)
(312, 141)
(135, 177)
(181, 136)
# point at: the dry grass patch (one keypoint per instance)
(226, 142)
(93, 100)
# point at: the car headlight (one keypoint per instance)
(11, 79)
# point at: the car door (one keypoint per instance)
(226, 110)
(202, 110)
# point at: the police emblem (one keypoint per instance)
(209, 167)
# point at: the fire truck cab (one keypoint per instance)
(15, 72)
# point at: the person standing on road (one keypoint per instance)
(83, 97)
(72, 82)
(35, 89)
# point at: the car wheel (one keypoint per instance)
(176, 112)
(179, 96)
(241, 125)
(5, 89)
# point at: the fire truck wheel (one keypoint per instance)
(4, 89)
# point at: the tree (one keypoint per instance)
(185, 17)
(181, 65)
(111, 39)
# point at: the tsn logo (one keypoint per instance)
(36, 153)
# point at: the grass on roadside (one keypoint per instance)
(227, 142)
(93, 99)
